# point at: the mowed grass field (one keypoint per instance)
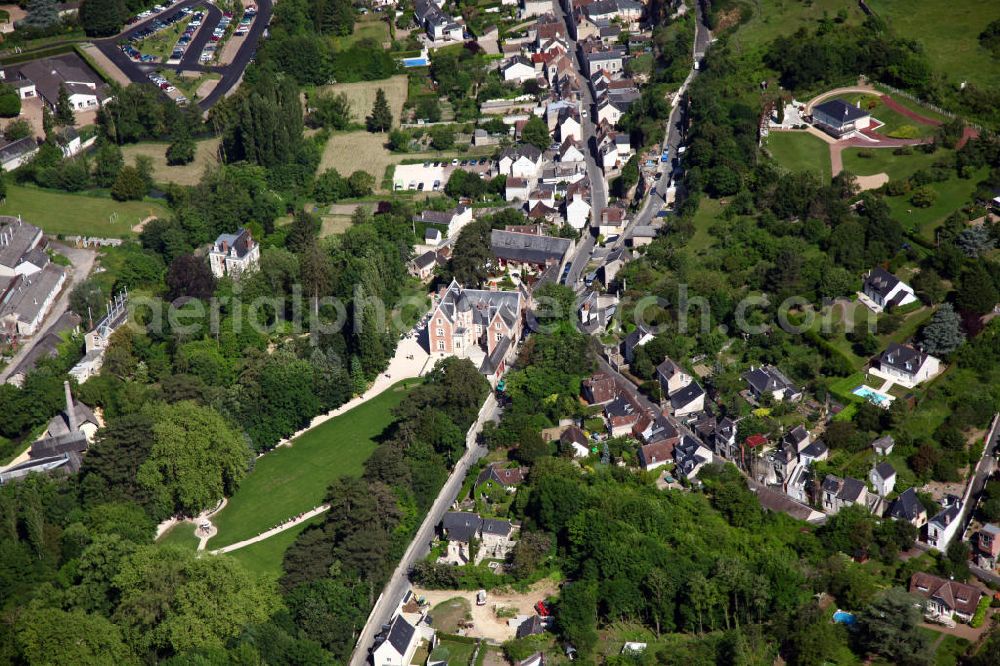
(800, 151)
(264, 558)
(188, 174)
(69, 214)
(362, 96)
(293, 479)
(950, 33)
(364, 29)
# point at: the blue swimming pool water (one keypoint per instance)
(414, 62)
(843, 617)
(871, 395)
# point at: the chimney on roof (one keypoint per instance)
(70, 409)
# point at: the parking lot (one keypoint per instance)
(432, 176)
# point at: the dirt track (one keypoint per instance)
(485, 622)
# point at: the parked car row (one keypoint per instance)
(129, 48)
(180, 48)
(150, 12)
(244, 25)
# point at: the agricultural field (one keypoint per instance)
(362, 96)
(293, 479)
(949, 32)
(187, 174)
(91, 213)
(801, 151)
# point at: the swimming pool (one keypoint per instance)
(872, 396)
(415, 62)
(843, 617)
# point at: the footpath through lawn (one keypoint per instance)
(294, 479)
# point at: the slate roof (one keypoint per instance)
(851, 490)
(503, 476)
(400, 634)
(530, 627)
(528, 248)
(28, 297)
(881, 282)
(18, 148)
(767, 379)
(460, 525)
(885, 470)
(686, 395)
(524, 150)
(815, 449)
(948, 514)
(74, 442)
(573, 434)
(17, 238)
(495, 526)
(904, 358)
(796, 436)
(907, 506)
(838, 108)
(59, 425)
(883, 443)
(483, 304)
(241, 242)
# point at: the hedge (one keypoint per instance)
(980, 616)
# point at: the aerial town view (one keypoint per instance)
(500, 332)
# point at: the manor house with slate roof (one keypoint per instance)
(481, 325)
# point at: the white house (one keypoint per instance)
(672, 377)
(941, 529)
(577, 211)
(840, 119)
(516, 189)
(571, 151)
(531, 8)
(234, 254)
(398, 646)
(767, 380)
(29, 298)
(521, 162)
(946, 597)
(905, 365)
(885, 290)
(687, 401)
(569, 126)
(455, 219)
(518, 69)
(883, 478)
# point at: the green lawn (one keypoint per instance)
(459, 653)
(179, 535)
(265, 557)
(894, 124)
(800, 151)
(870, 161)
(448, 614)
(293, 479)
(772, 18)
(377, 30)
(68, 214)
(950, 33)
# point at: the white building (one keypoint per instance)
(577, 211)
(398, 646)
(518, 69)
(234, 254)
(905, 365)
(941, 529)
(883, 478)
(885, 290)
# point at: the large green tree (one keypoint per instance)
(102, 18)
(66, 638)
(196, 458)
(380, 119)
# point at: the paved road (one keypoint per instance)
(231, 73)
(398, 583)
(656, 199)
(598, 186)
(83, 262)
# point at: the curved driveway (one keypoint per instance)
(231, 73)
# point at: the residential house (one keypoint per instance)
(626, 12)
(597, 311)
(422, 267)
(454, 219)
(768, 381)
(481, 325)
(508, 478)
(637, 338)
(571, 151)
(518, 69)
(528, 252)
(886, 290)
(460, 528)
(599, 58)
(21, 248)
(987, 541)
(599, 389)
(908, 507)
(432, 236)
(840, 119)
(46, 347)
(398, 645)
(813, 452)
(522, 161)
(883, 445)
(652, 456)
(537, 659)
(532, 626)
(234, 254)
(691, 455)
(621, 413)
(883, 478)
(672, 377)
(946, 597)
(516, 189)
(719, 435)
(839, 493)
(608, 271)
(577, 210)
(642, 235)
(76, 417)
(688, 401)
(798, 438)
(611, 221)
(575, 440)
(943, 527)
(906, 365)
(569, 125)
